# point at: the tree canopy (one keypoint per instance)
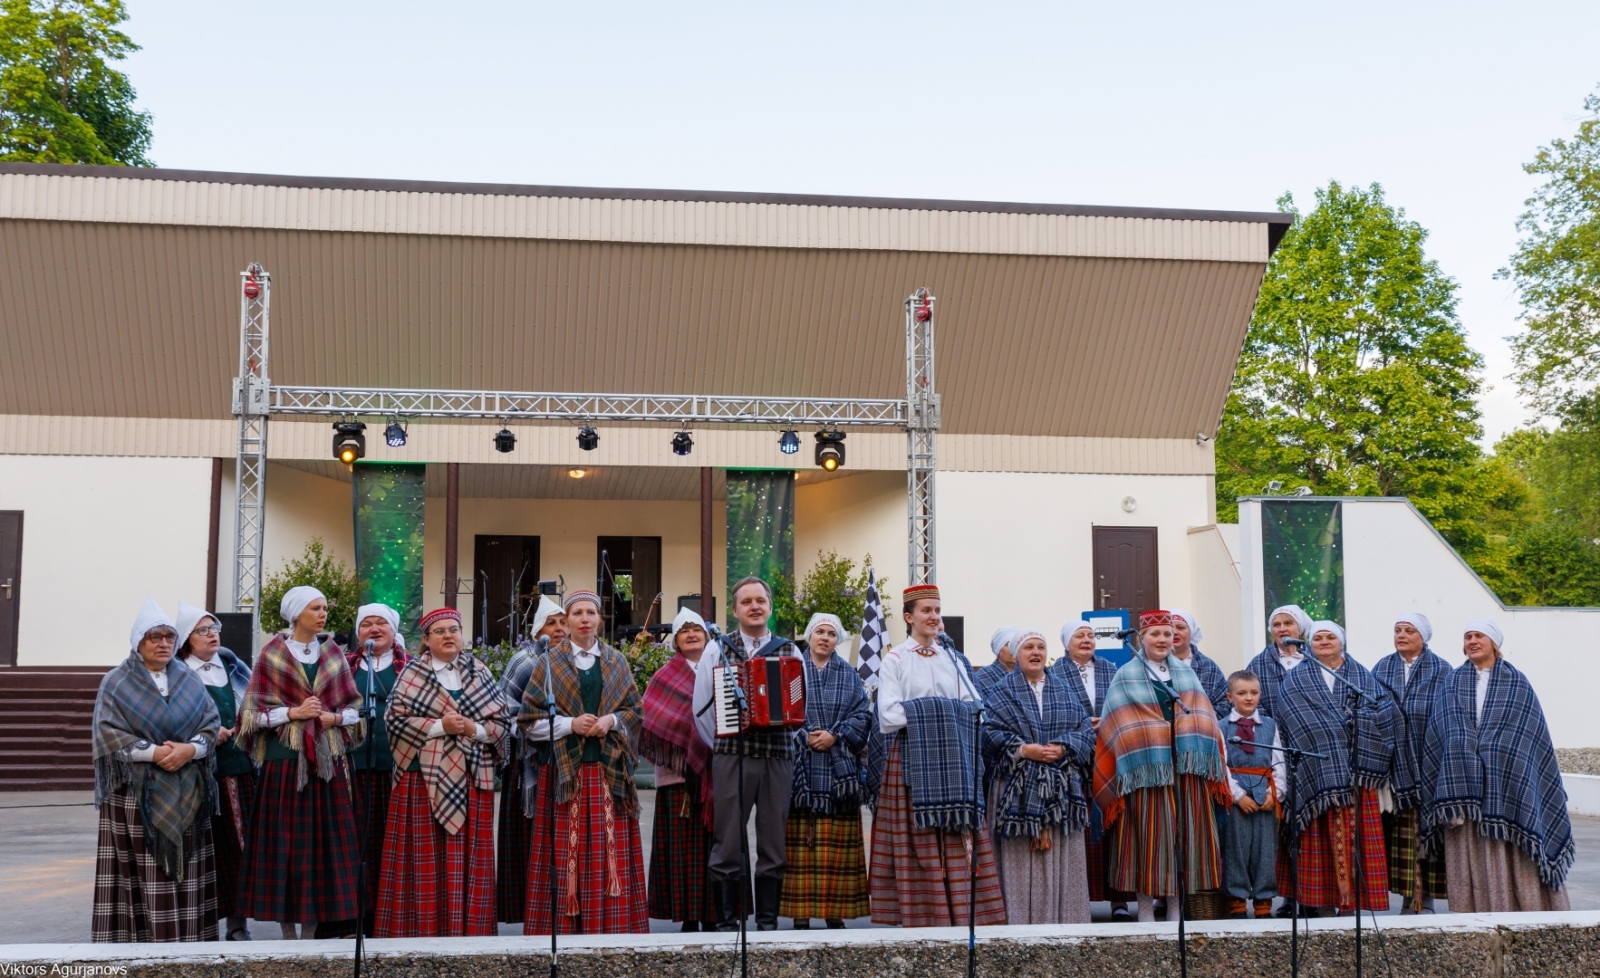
(60, 101)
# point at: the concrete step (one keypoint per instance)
(54, 783)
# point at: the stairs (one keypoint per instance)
(45, 717)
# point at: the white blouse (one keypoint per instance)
(908, 675)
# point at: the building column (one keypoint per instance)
(452, 513)
(706, 599)
(214, 535)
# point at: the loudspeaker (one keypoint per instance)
(236, 637)
(692, 602)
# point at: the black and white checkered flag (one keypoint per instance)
(872, 634)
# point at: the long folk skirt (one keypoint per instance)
(1327, 858)
(134, 901)
(680, 850)
(516, 829)
(599, 863)
(1491, 876)
(230, 833)
(303, 859)
(1045, 885)
(1412, 875)
(1098, 842)
(372, 820)
(827, 874)
(435, 884)
(1144, 858)
(919, 877)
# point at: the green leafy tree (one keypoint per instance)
(1356, 377)
(832, 586)
(60, 101)
(323, 571)
(1545, 550)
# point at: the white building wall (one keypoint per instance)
(856, 516)
(99, 535)
(1214, 577)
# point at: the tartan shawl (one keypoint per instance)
(991, 676)
(1414, 701)
(353, 656)
(836, 701)
(451, 765)
(515, 681)
(1135, 745)
(1501, 773)
(1314, 718)
(238, 675)
(1104, 671)
(873, 758)
(1037, 796)
(1271, 673)
(618, 695)
(130, 710)
(669, 738)
(278, 680)
(938, 763)
(1211, 680)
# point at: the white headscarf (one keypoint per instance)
(547, 608)
(1195, 634)
(1420, 622)
(1070, 629)
(188, 620)
(1297, 613)
(823, 618)
(686, 616)
(1488, 628)
(1023, 634)
(296, 601)
(150, 616)
(1326, 626)
(1003, 637)
(385, 612)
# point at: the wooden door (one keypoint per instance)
(10, 583)
(1126, 569)
(501, 563)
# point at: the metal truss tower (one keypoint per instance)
(251, 398)
(922, 420)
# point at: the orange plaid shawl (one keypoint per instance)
(451, 765)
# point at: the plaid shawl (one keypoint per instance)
(1414, 701)
(130, 710)
(836, 701)
(1271, 673)
(873, 757)
(938, 758)
(451, 765)
(238, 674)
(1104, 672)
(1211, 680)
(618, 749)
(279, 680)
(354, 655)
(1501, 773)
(515, 681)
(1036, 796)
(1135, 744)
(1316, 719)
(669, 738)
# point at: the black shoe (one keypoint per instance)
(690, 926)
(802, 923)
(835, 923)
(726, 895)
(769, 889)
(1121, 915)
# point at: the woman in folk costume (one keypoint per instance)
(1186, 636)
(225, 679)
(927, 827)
(1492, 793)
(1039, 737)
(1003, 644)
(1412, 676)
(1287, 625)
(516, 828)
(827, 874)
(301, 719)
(155, 878)
(373, 761)
(599, 868)
(1089, 677)
(1327, 823)
(1134, 774)
(448, 722)
(680, 843)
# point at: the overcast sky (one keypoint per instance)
(1207, 105)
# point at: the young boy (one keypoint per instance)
(1258, 781)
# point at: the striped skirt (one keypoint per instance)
(303, 858)
(680, 849)
(599, 866)
(827, 874)
(134, 901)
(1098, 843)
(1412, 875)
(230, 833)
(1143, 857)
(435, 884)
(919, 877)
(1490, 876)
(1327, 864)
(372, 818)
(511, 876)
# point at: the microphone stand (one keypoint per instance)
(550, 774)
(949, 645)
(1179, 819)
(369, 712)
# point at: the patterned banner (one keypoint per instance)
(389, 505)
(760, 528)
(1302, 551)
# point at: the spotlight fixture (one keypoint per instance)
(1303, 491)
(830, 450)
(682, 444)
(789, 444)
(576, 473)
(349, 444)
(588, 438)
(1274, 486)
(395, 435)
(504, 441)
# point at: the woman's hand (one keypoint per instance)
(1248, 806)
(821, 740)
(327, 719)
(172, 755)
(309, 708)
(224, 735)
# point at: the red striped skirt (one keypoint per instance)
(1327, 861)
(230, 832)
(1143, 844)
(599, 864)
(919, 876)
(680, 849)
(303, 859)
(435, 884)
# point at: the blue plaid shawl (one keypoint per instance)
(990, 676)
(836, 701)
(1211, 680)
(1315, 719)
(1414, 702)
(936, 757)
(1271, 673)
(1036, 796)
(1104, 671)
(1501, 774)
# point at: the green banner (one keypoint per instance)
(760, 528)
(1302, 556)
(389, 505)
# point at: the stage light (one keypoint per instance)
(789, 444)
(577, 473)
(830, 450)
(349, 444)
(395, 435)
(682, 444)
(504, 441)
(588, 438)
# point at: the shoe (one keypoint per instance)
(726, 896)
(1263, 909)
(238, 929)
(769, 889)
(802, 923)
(1236, 915)
(835, 923)
(690, 927)
(1121, 915)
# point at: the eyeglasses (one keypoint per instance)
(446, 630)
(208, 630)
(163, 637)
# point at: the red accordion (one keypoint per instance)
(774, 694)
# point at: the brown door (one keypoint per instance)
(1126, 570)
(629, 572)
(10, 583)
(504, 564)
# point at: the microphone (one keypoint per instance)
(369, 647)
(1127, 633)
(1295, 643)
